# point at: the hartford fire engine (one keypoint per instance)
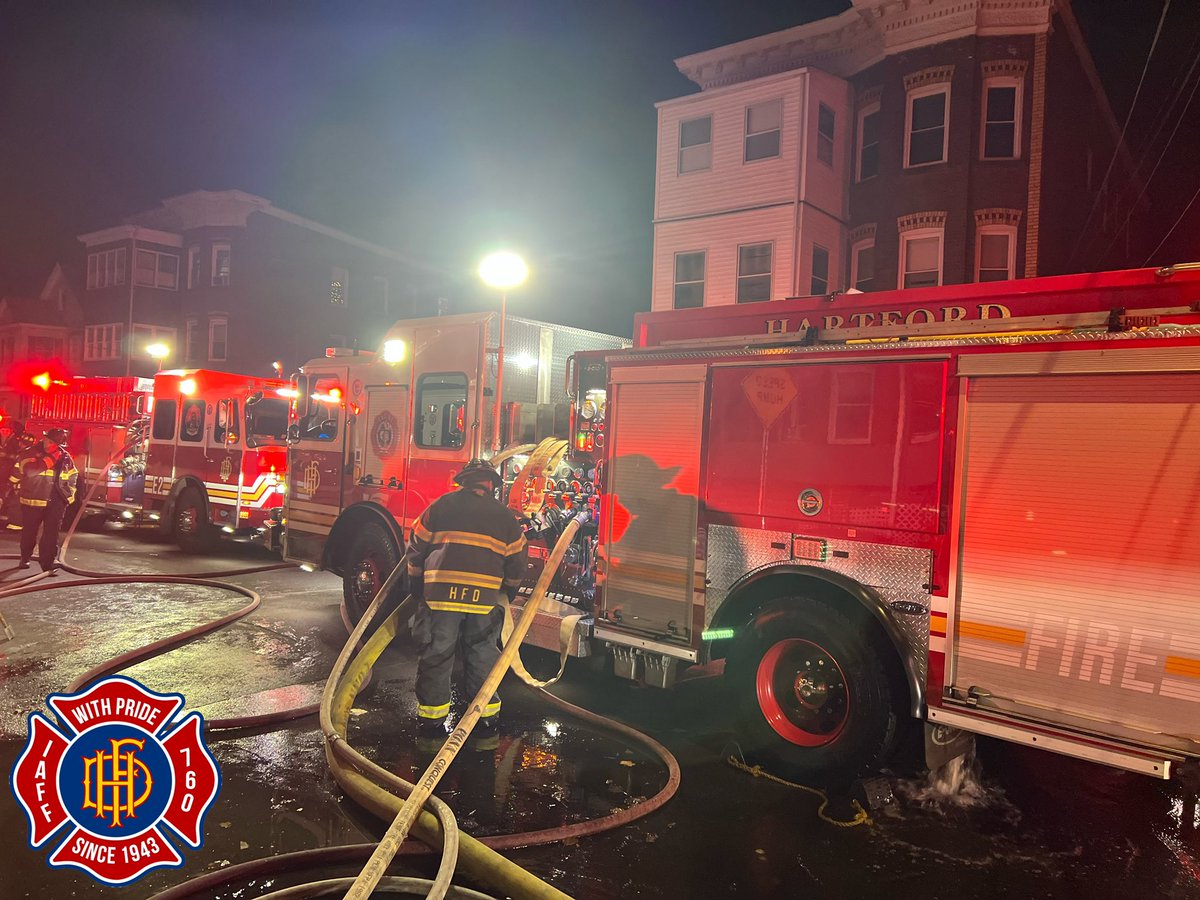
(972, 506)
(196, 452)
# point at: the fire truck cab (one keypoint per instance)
(215, 459)
(974, 505)
(377, 437)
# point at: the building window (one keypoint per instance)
(145, 335)
(442, 401)
(754, 273)
(862, 265)
(689, 279)
(925, 131)
(44, 347)
(106, 269)
(868, 142)
(339, 285)
(695, 145)
(102, 342)
(921, 258)
(218, 338)
(763, 122)
(1001, 137)
(851, 406)
(820, 271)
(192, 348)
(220, 265)
(154, 269)
(826, 121)
(195, 266)
(995, 252)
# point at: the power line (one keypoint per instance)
(1121, 140)
(1173, 227)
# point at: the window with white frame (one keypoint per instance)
(826, 126)
(995, 252)
(145, 335)
(1000, 136)
(192, 347)
(862, 265)
(689, 279)
(218, 338)
(851, 405)
(221, 256)
(925, 133)
(106, 268)
(868, 142)
(339, 286)
(921, 258)
(820, 271)
(195, 264)
(102, 342)
(154, 269)
(754, 272)
(763, 124)
(695, 144)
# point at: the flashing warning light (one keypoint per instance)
(460, 419)
(334, 396)
(393, 351)
(335, 393)
(289, 393)
(187, 387)
(585, 441)
(716, 634)
(42, 381)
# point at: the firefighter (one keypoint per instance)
(466, 549)
(18, 443)
(45, 480)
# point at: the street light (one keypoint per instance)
(159, 352)
(502, 270)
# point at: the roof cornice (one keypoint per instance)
(130, 232)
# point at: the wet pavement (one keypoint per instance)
(1034, 825)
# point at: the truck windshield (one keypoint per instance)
(267, 422)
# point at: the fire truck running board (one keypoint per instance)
(544, 632)
(1156, 765)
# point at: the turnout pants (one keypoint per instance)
(49, 519)
(439, 635)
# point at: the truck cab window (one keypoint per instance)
(225, 429)
(163, 428)
(441, 411)
(266, 421)
(191, 428)
(320, 407)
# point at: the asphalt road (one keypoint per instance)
(1033, 825)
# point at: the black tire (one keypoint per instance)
(189, 522)
(815, 695)
(372, 556)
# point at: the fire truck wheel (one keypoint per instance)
(373, 554)
(815, 697)
(193, 532)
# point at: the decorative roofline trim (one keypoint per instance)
(926, 77)
(1005, 68)
(919, 220)
(997, 215)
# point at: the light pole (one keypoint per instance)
(159, 352)
(502, 270)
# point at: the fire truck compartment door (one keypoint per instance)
(385, 448)
(1079, 556)
(653, 484)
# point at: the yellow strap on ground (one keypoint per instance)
(565, 630)
(861, 817)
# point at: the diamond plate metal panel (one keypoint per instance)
(898, 574)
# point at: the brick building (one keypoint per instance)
(229, 281)
(894, 145)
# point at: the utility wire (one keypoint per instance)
(1121, 140)
(1161, 156)
(1173, 227)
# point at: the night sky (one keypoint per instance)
(440, 129)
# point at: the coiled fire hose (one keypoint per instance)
(382, 792)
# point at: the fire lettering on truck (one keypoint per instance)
(889, 317)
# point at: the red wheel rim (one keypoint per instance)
(802, 692)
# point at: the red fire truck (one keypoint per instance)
(377, 437)
(204, 450)
(974, 505)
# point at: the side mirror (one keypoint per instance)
(293, 433)
(254, 398)
(328, 426)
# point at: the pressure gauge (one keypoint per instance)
(589, 409)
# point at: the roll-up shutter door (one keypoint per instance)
(1079, 579)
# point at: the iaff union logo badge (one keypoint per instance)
(119, 776)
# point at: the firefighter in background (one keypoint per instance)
(16, 445)
(45, 478)
(466, 549)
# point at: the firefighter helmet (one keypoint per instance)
(475, 471)
(58, 435)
